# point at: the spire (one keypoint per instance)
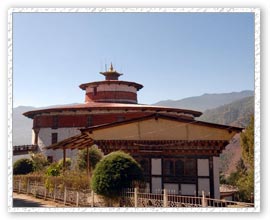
(111, 74)
(111, 68)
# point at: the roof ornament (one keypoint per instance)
(111, 68)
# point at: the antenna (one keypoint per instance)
(105, 67)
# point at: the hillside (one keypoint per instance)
(206, 101)
(21, 126)
(237, 113)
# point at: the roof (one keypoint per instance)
(168, 117)
(110, 106)
(83, 140)
(79, 141)
(136, 85)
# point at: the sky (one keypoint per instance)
(174, 55)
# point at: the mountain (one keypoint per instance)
(21, 126)
(206, 101)
(237, 113)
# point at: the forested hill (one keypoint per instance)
(206, 101)
(237, 113)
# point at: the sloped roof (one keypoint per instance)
(83, 140)
(110, 106)
(168, 117)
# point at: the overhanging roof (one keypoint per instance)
(83, 140)
(75, 142)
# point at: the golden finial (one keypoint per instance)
(111, 68)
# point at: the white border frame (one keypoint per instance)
(256, 11)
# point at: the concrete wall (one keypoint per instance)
(188, 189)
(45, 138)
(203, 167)
(216, 165)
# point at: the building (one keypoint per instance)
(106, 101)
(176, 151)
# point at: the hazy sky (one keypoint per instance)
(174, 55)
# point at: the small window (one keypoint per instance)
(168, 167)
(50, 159)
(55, 122)
(145, 166)
(179, 168)
(95, 91)
(89, 122)
(54, 138)
(190, 167)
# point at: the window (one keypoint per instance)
(50, 159)
(55, 122)
(190, 167)
(179, 167)
(168, 167)
(89, 122)
(54, 138)
(145, 166)
(95, 91)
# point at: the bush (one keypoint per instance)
(95, 155)
(60, 164)
(39, 161)
(115, 172)
(53, 170)
(23, 166)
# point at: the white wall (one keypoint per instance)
(45, 138)
(216, 177)
(156, 184)
(188, 189)
(203, 167)
(203, 185)
(156, 166)
(172, 188)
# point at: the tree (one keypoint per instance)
(39, 161)
(23, 166)
(115, 172)
(247, 144)
(95, 155)
(60, 164)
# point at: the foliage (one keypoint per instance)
(95, 155)
(70, 179)
(236, 113)
(114, 172)
(60, 164)
(23, 166)
(39, 161)
(53, 170)
(247, 144)
(243, 177)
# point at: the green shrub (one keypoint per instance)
(95, 155)
(39, 161)
(23, 166)
(60, 164)
(115, 172)
(53, 170)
